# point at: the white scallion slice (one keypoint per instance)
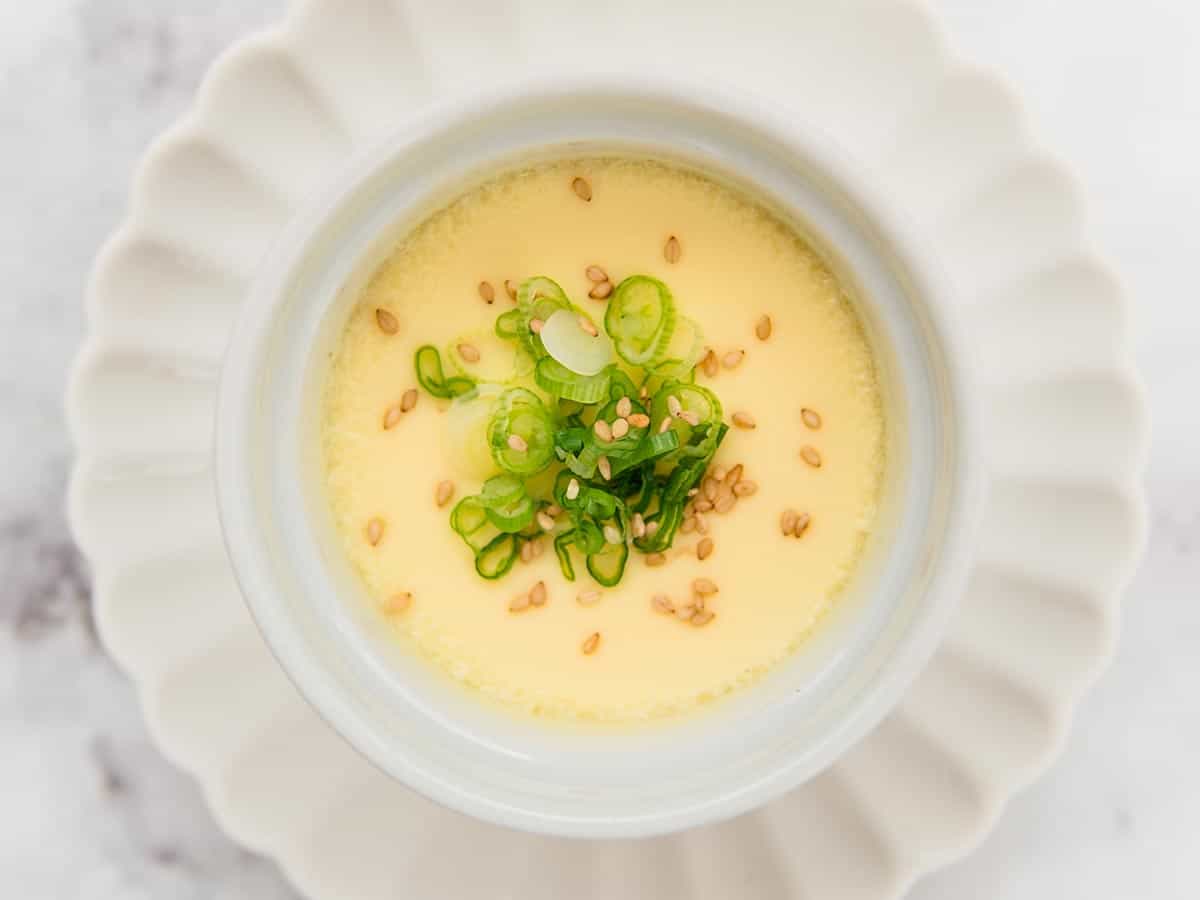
(567, 342)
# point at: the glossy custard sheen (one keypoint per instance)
(736, 264)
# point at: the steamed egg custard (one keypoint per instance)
(603, 439)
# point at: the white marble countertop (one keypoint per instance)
(91, 810)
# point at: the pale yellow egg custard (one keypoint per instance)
(604, 439)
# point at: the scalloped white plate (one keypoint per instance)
(1064, 414)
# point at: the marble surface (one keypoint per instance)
(91, 810)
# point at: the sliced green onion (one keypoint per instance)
(469, 520)
(510, 325)
(495, 560)
(654, 446)
(512, 515)
(432, 377)
(562, 549)
(697, 401)
(589, 537)
(538, 298)
(607, 565)
(521, 433)
(501, 490)
(556, 379)
(640, 320)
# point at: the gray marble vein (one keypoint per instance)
(92, 810)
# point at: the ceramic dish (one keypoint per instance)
(598, 783)
(1062, 416)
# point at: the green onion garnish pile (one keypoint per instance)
(598, 453)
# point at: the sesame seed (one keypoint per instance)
(620, 428)
(587, 327)
(811, 455)
(588, 598)
(762, 328)
(517, 443)
(591, 643)
(583, 189)
(744, 420)
(655, 559)
(745, 488)
(652, 528)
(704, 549)
(704, 587)
(601, 291)
(375, 528)
(443, 492)
(595, 274)
(545, 521)
(527, 552)
(665, 425)
(519, 603)
(638, 525)
(397, 603)
(572, 489)
(487, 293)
(672, 251)
(811, 418)
(612, 534)
(709, 364)
(674, 407)
(624, 407)
(733, 359)
(638, 420)
(802, 522)
(688, 525)
(603, 430)
(661, 603)
(725, 503)
(408, 400)
(703, 617)
(605, 468)
(692, 418)
(684, 613)
(387, 322)
(537, 594)
(511, 290)
(718, 472)
(536, 325)
(733, 476)
(391, 418)
(469, 352)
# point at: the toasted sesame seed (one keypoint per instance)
(408, 400)
(585, 325)
(661, 603)
(387, 322)
(671, 250)
(762, 328)
(638, 525)
(375, 528)
(745, 488)
(692, 492)
(601, 291)
(702, 617)
(620, 428)
(527, 552)
(572, 489)
(802, 522)
(692, 418)
(710, 364)
(624, 407)
(705, 587)
(655, 559)
(588, 598)
(811, 418)
(583, 189)
(443, 492)
(554, 510)
(665, 425)
(725, 503)
(536, 325)
(644, 393)
(811, 455)
(595, 274)
(510, 289)
(545, 521)
(684, 613)
(787, 521)
(519, 603)
(744, 420)
(701, 524)
(710, 487)
(538, 546)
(518, 443)
(591, 643)
(718, 472)
(612, 534)
(733, 359)
(674, 407)
(391, 418)
(537, 594)
(487, 293)
(397, 603)
(603, 430)
(652, 528)
(733, 476)
(704, 549)
(638, 420)
(688, 525)
(605, 468)
(703, 505)
(469, 352)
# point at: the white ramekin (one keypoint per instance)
(596, 782)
